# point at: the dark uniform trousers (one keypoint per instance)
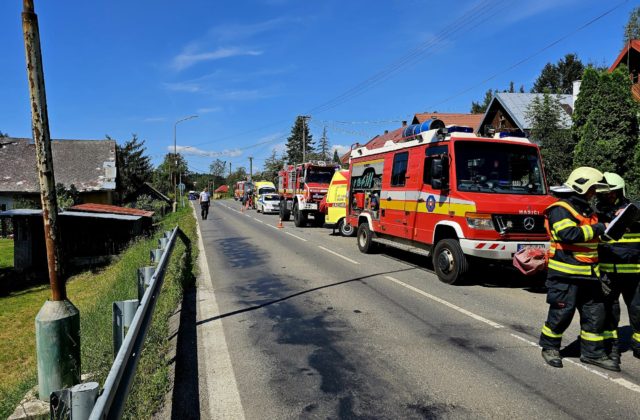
(564, 299)
(627, 286)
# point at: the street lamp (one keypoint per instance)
(175, 155)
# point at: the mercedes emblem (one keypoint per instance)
(529, 223)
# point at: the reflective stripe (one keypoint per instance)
(591, 336)
(564, 224)
(620, 268)
(636, 337)
(587, 230)
(583, 270)
(547, 331)
(610, 334)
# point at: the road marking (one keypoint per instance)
(444, 302)
(271, 226)
(620, 381)
(297, 237)
(222, 396)
(258, 220)
(338, 255)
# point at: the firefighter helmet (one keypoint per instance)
(584, 177)
(615, 182)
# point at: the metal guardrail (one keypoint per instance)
(110, 403)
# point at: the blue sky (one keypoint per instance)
(248, 68)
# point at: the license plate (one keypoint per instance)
(523, 246)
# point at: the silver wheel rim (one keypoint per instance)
(446, 261)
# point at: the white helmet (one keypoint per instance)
(616, 182)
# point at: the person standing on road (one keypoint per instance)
(204, 199)
(573, 274)
(619, 268)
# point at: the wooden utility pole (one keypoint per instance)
(44, 158)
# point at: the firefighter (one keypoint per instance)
(573, 275)
(619, 268)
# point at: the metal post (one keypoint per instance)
(156, 254)
(250, 168)
(175, 156)
(123, 313)
(58, 322)
(144, 279)
(74, 403)
(304, 137)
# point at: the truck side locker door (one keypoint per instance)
(392, 200)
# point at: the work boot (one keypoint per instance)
(603, 361)
(615, 354)
(552, 357)
(636, 353)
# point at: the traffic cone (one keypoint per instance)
(280, 224)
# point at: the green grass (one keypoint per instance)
(6, 253)
(93, 294)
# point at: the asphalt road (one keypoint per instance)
(309, 327)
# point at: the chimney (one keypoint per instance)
(576, 91)
(404, 123)
(386, 131)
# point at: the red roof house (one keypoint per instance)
(630, 57)
(222, 189)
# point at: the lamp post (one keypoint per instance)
(175, 156)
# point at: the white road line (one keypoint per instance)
(297, 237)
(271, 226)
(620, 381)
(444, 302)
(338, 255)
(222, 396)
(258, 220)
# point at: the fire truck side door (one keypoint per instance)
(431, 203)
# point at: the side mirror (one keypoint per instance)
(439, 172)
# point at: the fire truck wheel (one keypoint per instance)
(365, 244)
(299, 217)
(449, 262)
(345, 228)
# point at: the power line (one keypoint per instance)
(524, 60)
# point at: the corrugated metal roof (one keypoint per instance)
(517, 104)
(105, 208)
(30, 212)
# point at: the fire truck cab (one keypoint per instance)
(445, 193)
(301, 188)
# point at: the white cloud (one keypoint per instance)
(209, 110)
(189, 56)
(235, 32)
(153, 119)
(183, 87)
(340, 148)
(194, 151)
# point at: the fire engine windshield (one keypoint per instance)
(320, 175)
(498, 168)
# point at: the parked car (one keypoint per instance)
(268, 203)
(193, 195)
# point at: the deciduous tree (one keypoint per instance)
(632, 28)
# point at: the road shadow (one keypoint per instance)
(481, 274)
(186, 391)
(240, 253)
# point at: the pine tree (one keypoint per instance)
(606, 126)
(559, 78)
(134, 167)
(556, 143)
(323, 146)
(512, 88)
(632, 28)
(294, 142)
(336, 156)
(477, 108)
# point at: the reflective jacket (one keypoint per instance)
(574, 233)
(622, 256)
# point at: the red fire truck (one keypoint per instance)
(301, 188)
(238, 191)
(445, 193)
